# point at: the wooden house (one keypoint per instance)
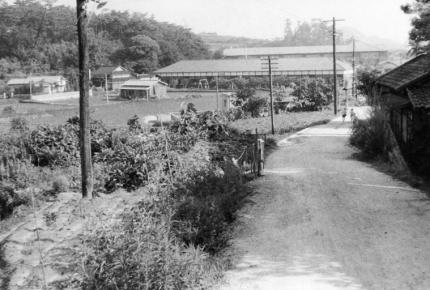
(404, 93)
(112, 77)
(37, 85)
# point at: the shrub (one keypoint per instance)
(9, 200)
(56, 146)
(370, 135)
(134, 124)
(60, 184)
(8, 111)
(254, 106)
(207, 203)
(19, 124)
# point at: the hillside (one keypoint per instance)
(218, 42)
(37, 37)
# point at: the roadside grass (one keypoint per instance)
(284, 123)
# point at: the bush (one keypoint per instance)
(19, 124)
(60, 184)
(9, 200)
(134, 124)
(370, 135)
(8, 111)
(207, 204)
(254, 106)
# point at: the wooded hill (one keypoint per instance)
(38, 37)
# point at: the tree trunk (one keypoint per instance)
(84, 111)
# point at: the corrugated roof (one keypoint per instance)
(407, 73)
(35, 79)
(286, 50)
(141, 83)
(228, 66)
(420, 96)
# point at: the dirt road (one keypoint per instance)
(322, 220)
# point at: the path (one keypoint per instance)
(323, 220)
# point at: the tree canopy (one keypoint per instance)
(307, 33)
(419, 36)
(37, 36)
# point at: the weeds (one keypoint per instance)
(370, 135)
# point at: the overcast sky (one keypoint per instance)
(266, 18)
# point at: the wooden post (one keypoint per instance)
(106, 89)
(216, 82)
(84, 110)
(271, 94)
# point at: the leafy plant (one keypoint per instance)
(19, 124)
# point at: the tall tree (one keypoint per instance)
(307, 34)
(419, 36)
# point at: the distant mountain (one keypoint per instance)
(388, 44)
(219, 42)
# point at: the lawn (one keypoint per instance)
(114, 114)
(284, 123)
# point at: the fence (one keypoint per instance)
(251, 161)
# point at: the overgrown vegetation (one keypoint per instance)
(370, 135)
(191, 187)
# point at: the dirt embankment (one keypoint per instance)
(44, 252)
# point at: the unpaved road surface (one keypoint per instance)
(322, 220)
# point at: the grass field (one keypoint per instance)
(114, 114)
(283, 123)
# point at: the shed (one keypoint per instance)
(145, 88)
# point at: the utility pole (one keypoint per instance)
(216, 82)
(268, 65)
(84, 110)
(354, 91)
(106, 89)
(334, 20)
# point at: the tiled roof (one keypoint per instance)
(286, 50)
(35, 79)
(420, 96)
(407, 73)
(229, 66)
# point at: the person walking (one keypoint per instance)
(344, 113)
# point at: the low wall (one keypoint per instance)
(55, 97)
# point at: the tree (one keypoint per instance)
(306, 34)
(419, 36)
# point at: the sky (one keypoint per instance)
(266, 18)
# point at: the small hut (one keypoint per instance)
(145, 88)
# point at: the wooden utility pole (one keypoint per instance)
(334, 20)
(217, 91)
(267, 64)
(106, 89)
(271, 94)
(84, 110)
(354, 93)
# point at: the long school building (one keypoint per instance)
(179, 74)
